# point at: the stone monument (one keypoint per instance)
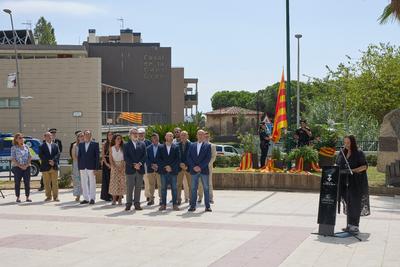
(389, 147)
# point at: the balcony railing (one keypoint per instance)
(111, 118)
(191, 97)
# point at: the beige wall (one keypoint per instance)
(177, 94)
(223, 124)
(58, 87)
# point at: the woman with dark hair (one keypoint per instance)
(355, 196)
(21, 162)
(106, 167)
(117, 178)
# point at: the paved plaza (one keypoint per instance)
(246, 228)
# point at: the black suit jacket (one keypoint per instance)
(134, 155)
(173, 159)
(185, 152)
(89, 159)
(45, 156)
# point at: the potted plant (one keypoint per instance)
(277, 157)
(249, 144)
(308, 154)
(325, 143)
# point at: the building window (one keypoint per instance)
(9, 102)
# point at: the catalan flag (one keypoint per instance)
(133, 117)
(280, 120)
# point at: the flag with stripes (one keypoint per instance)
(133, 117)
(280, 120)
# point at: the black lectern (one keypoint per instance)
(328, 199)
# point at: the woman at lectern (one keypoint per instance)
(355, 196)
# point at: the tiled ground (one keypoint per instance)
(246, 228)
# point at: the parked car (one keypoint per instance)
(5, 152)
(227, 150)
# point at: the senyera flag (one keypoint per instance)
(280, 120)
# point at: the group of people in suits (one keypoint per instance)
(141, 161)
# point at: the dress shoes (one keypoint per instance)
(137, 207)
(91, 202)
(162, 207)
(208, 210)
(192, 209)
(84, 202)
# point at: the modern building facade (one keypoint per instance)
(60, 87)
(144, 70)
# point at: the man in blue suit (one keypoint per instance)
(135, 158)
(153, 168)
(169, 168)
(88, 163)
(49, 154)
(198, 158)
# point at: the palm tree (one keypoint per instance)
(391, 12)
(199, 119)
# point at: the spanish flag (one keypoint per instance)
(133, 117)
(280, 120)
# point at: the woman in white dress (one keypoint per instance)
(117, 178)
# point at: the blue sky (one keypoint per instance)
(228, 45)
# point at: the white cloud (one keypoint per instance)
(54, 7)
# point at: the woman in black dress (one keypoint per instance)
(356, 199)
(106, 168)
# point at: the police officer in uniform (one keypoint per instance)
(264, 142)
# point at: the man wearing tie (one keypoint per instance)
(153, 168)
(49, 155)
(169, 168)
(198, 158)
(88, 163)
(135, 159)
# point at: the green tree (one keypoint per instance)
(224, 99)
(391, 12)
(44, 32)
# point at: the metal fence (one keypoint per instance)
(363, 145)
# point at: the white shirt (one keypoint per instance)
(117, 155)
(168, 148)
(199, 147)
(134, 143)
(49, 147)
(87, 146)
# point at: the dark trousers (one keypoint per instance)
(195, 184)
(105, 184)
(165, 180)
(134, 184)
(20, 174)
(264, 154)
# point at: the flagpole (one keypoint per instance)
(288, 87)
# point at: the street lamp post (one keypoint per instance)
(298, 36)
(8, 11)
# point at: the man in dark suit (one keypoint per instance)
(49, 155)
(184, 145)
(142, 137)
(88, 163)
(153, 168)
(198, 158)
(135, 158)
(169, 168)
(58, 142)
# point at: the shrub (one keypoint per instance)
(307, 153)
(372, 159)
(227, 161)
(65, 180)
